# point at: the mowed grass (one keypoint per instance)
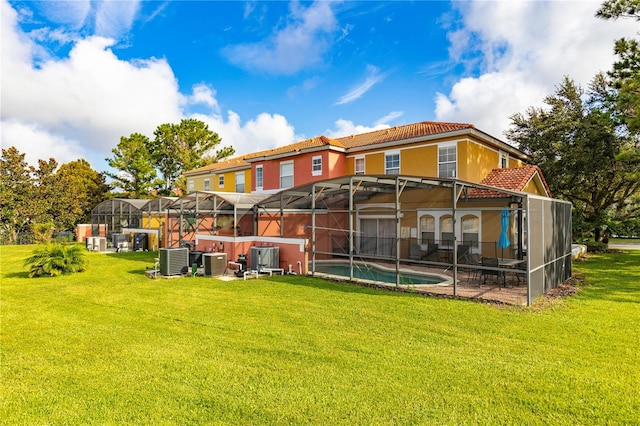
(110, 346)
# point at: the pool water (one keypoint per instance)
(372, 273)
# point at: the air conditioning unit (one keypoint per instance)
(118, 240)
(89, 243)
(99, 244)
(174, 261)
(215, 264)
(264, 257)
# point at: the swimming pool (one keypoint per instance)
(375, 273)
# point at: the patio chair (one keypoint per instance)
(490, 262)
(415, 252)
(463, 252)
(471, 262)
(432, 250)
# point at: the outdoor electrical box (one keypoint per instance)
(140, 242)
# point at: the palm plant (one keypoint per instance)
(55, 259)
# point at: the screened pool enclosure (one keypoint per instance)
(471, 238)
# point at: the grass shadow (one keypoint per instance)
(344, 286)
(613, 276)
(21, 274)
(132, 256)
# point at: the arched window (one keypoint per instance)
(470, 230)
(427, 229)
(446, 231)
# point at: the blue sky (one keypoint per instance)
(78, 75)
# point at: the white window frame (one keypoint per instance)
(457, 226)
(316, 161)
(387, 169)
(357, 171)
(287, 163)
(259, 184)
(503, 161)
(240, 177)
(448, 146)
(463, 218)
(207, 185)
(220, 181)
(190, 186)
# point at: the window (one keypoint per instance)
(427, 229)
(190, 186)
(221, 181)
(470, 230)
(392, 163)
(207, 186)
(447, 162)
(259, 179)
(316, 165)
(504, 160)
(286, 174)
(359, 166)
(240, 182)
(446, 231)
(514, 229)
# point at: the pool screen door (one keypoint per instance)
(377, 237)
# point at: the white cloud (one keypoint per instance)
(347, 128)
(80, 106)
(71, 13)
(90, 97)
(204, 95)
(266, 131)
(113, 18)
(299, 45)
(521, 59)
(373, 77)
(38, 144)
(389, 117)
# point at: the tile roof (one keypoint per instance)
(220, 165)
(398, 133)
(362, 140)
(512, 179)
(319, 141)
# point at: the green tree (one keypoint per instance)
(17, 195)
(626, 71)
(133, 160)
(184, 146)
(586, 156)
(48, 191)
(614, 9)
(84, 189)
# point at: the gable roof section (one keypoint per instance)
(312, 144)
(401, 133)
(226, 165)
(513, 179)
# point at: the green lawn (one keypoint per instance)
(110, 346)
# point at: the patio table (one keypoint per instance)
(509, 263)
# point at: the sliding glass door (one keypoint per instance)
(378, 237)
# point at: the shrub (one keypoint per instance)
(43, 232)
(55, 259)
(596, 246)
